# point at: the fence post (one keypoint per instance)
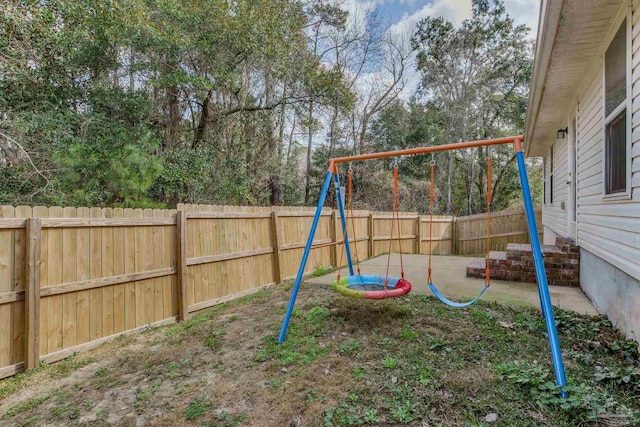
(32, 294)
(183, 277)
(334, 239)
(370, 227)
(418, 234)
(275, 242)
(454, 236)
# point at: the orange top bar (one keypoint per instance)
(516, 140)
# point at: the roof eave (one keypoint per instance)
(548, 21)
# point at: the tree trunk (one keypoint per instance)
(332, 130)
(132, 81)
(291, 135)
(283, 117)
(363, 134)
(173, 128)
(480, 184)
(275, 197)
(12, 153)
(307, 177)
(116, 78)
(276, 190)
(498, 181)
(204, 120)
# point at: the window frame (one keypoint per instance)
(544, 181)
(626, 104)
(548, 182)
(572, 168)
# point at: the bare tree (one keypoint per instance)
(357, 45)
(378, 90)
(323, 15)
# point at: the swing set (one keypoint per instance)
(382, 287)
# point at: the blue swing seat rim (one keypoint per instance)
(455, 304)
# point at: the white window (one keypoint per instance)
(616, 132)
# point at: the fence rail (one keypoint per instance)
(71, 278)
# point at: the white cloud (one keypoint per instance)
(455, 11)
(524, 12)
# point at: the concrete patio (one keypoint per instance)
(449, 275)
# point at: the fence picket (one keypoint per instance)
(69, 274)
(108, 276)
(118, 269)
(32, 293)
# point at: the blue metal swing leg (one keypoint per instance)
(343, 221)
(305, 256)
(541, 276)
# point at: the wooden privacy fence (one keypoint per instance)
(508, 226)
(72, 278)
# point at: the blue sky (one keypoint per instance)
(402, 16)
(409, 12)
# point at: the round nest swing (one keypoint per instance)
(371, 287)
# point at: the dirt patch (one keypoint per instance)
(345, 362)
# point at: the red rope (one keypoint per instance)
(353, 223)
(487, 270)
(431, 200)
(386, 279)
(341, 255)
(396, 205)
(394, 216)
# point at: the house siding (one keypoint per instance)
(607, 229)
(635, 129)
(554, 215)
(610, 230)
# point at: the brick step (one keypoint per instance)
(501, 269)
(516, 264)
(552, 259)
(516, 251)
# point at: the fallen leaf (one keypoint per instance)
(491, 417)
(506, 324)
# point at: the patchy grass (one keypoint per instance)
(321, 271)
(56, 371)
(196, 409)
(346, 362)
